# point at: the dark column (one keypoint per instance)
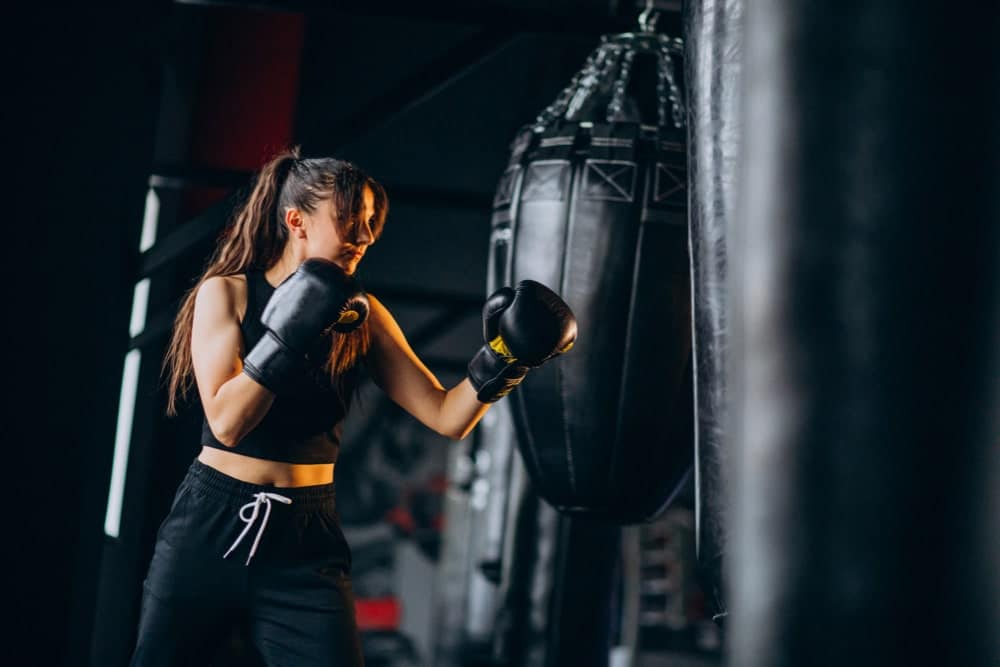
(866, 336)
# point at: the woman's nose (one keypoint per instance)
(364, 236)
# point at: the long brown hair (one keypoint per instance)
(256, 238)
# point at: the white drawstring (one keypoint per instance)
(260, 498)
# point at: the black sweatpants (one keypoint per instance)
(294, 594)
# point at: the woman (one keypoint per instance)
(273, 337)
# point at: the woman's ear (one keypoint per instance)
(295, 222)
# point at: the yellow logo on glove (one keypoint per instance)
(348, 317)
(500, 347)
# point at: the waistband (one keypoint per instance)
(224, 488)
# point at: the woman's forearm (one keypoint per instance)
(460, 411)
(237, 407)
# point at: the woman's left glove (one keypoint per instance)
(523, 328)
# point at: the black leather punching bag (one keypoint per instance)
(866, 337)
(713, 59)
(594, 205)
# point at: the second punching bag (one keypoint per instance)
(594, 204)
(713, 36)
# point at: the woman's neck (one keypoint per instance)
(284, 267)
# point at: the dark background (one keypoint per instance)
(427, 96)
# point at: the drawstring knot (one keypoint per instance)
(263, 498)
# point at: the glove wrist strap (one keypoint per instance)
(271, 363)
(493, 376)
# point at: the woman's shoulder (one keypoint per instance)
(223, 294)
(383, 325)
(376, 309)
(223, 287)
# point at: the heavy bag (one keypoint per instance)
(593, 204)
(713, 39)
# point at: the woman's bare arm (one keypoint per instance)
(233, 403)
(409, 383)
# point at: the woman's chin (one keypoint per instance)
(345, 265)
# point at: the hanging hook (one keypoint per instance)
(648, 18)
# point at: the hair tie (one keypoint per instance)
(288, 166)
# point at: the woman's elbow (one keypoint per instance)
(228, 434)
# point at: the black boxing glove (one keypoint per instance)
(523, 328)
(318, 296)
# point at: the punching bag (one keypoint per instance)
(593, 204)
(713, 60)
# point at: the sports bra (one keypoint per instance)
(311, 406)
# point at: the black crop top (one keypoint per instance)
(310, 407)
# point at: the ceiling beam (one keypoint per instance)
(590, 17)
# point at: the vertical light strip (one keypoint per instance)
(149, 220)
(123, 437)
(140, 301)
(130, 376)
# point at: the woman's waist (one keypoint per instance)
(264, 472)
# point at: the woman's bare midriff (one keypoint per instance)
(266, 473)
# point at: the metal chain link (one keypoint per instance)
(592, 79)
(621, 81)
(613, 61)
(561, 103)
(666, 71)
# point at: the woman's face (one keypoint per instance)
(324, 239)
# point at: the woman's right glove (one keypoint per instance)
(523, 328)
(316, 297)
